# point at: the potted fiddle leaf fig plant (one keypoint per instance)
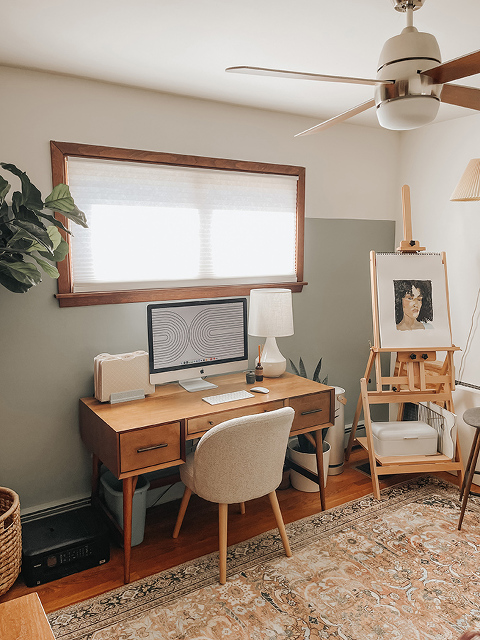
(30, 239)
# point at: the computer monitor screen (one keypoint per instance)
(192, 339)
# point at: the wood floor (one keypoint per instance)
(198, 535)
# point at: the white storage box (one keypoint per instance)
(406, 438)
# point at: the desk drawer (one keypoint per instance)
(204, 423)
(149, 446)
(311, 410)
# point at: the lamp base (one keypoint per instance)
(273, 363)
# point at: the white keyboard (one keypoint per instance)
(228, 397)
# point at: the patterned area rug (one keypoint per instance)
(395, 568)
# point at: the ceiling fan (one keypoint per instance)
(411, 81)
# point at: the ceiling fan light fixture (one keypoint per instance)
(469, 186)
(410, 112)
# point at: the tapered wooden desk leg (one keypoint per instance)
(96, 465)
(128, 489)
(319, 455)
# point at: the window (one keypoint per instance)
(165, 227)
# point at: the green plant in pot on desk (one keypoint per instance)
(30, 239)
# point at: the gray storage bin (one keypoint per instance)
(113, 496)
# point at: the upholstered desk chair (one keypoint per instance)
(236, 461)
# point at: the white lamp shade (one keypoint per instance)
(270, 313)
(469, 186)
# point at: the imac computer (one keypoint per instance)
(189, 340)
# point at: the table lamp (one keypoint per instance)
(271, 316)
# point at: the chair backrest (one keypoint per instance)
(242, 459)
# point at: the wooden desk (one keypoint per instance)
(24, 619)
(141, 436)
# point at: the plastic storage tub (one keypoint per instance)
(404, 438)
(113, 495)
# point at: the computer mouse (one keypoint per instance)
(259, 390)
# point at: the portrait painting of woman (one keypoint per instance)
(413, 304)
(410, 302)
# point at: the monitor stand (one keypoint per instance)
(196, 384)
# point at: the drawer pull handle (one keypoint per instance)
(154, 446)
(210, 422)
(306, 413)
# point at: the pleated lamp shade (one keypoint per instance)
(469, 186)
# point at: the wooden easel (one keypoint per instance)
(418, 377)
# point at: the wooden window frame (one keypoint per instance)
(60, 151)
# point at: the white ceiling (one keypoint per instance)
(183, 46)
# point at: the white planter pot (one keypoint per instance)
(308, 461)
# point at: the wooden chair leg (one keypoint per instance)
(280, 524)
(222, 540)
(468, 483)
(183, 507)
(242, 508)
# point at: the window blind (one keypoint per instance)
(156, 226)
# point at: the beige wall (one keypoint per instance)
(432, 162)
(47, 352)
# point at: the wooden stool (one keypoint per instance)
(471, 417)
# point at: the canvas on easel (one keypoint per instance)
(412, 301)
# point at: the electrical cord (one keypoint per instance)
(471, 333)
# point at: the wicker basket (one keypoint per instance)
(10, 539)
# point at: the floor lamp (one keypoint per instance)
(271, 316)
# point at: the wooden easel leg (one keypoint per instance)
(358, 410)
(356, 418)
(368, 431)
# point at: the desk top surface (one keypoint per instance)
(171, 402)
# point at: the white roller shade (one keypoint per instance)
(153, 225)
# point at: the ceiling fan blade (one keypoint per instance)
(343, 116)
(298, 75)
(462, 67)
(461, 96)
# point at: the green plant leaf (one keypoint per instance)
(21, 240)
(31, 196)
(317, 371)
(49, 269)
(6, 213)
(61, 200)
(294, 368)
(25, 272)
(60, 246)
(54, 221)
(11, 283)
(303, 371)
(40, 234)
(4, 188)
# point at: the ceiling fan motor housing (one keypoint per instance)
(414, 99)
